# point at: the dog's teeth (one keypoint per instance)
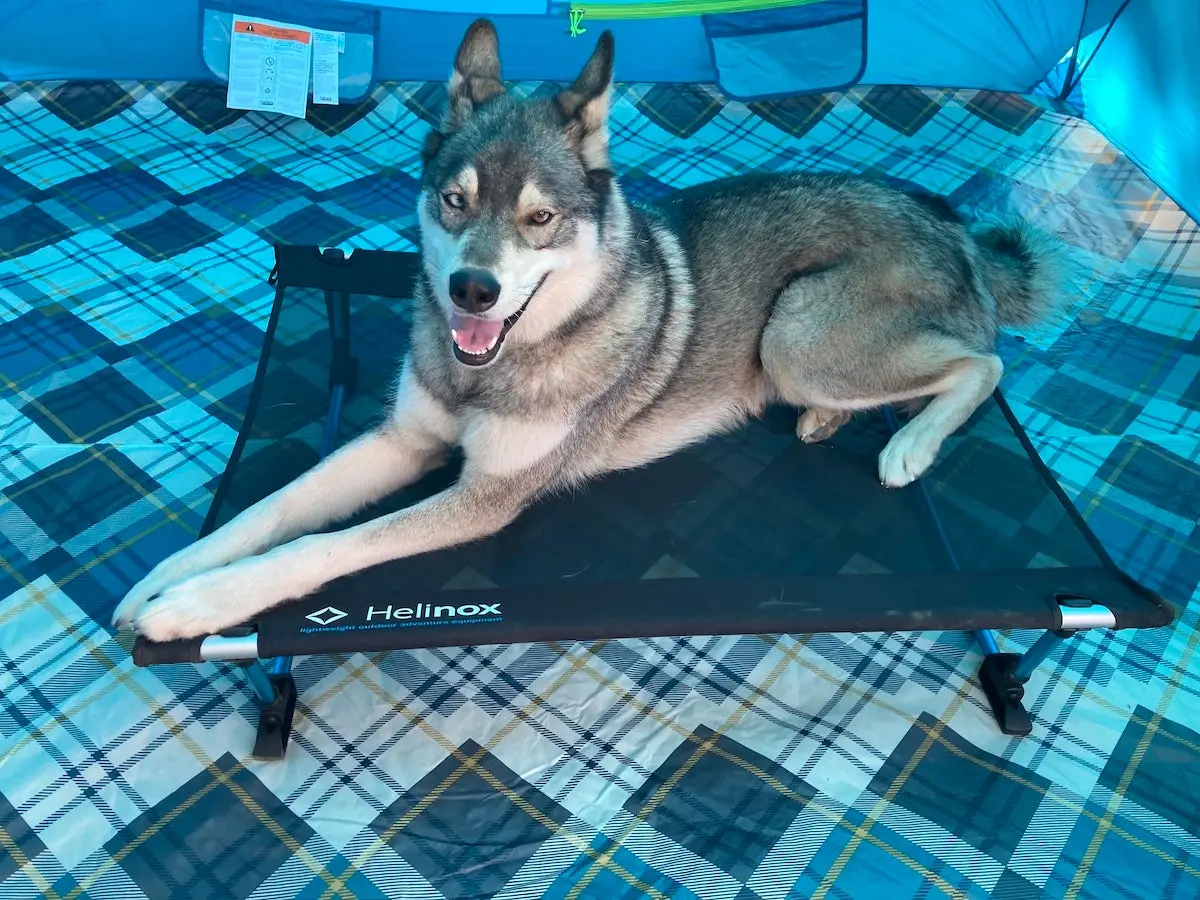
(490, 347)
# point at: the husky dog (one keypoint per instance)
(561, 332)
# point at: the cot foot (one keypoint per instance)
(1003, 675)
(1005, 694)
(276, 697)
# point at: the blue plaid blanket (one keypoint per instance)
(136, 225)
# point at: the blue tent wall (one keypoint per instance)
(1004, 45)
(1142, 92)
(998, 44)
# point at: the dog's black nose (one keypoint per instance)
(474, 290)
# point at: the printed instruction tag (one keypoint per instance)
(325, 66)
(268, 66)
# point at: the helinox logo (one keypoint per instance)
(326, 616)
(428, 611)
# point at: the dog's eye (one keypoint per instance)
(454, 199)
(541, 217)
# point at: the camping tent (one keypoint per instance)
(140, 216)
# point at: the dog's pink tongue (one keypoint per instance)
(474, 335)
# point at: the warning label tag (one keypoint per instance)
(268, 66)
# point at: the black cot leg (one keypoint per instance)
(1004, 675)
(276, 696)
(275, 688)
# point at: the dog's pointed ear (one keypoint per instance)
(476, 76)
(586, 103)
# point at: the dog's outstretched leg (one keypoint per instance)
(358, 474)
(218, 599)
(362, 472)
(913, 448)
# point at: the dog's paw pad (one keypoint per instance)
(905, 459)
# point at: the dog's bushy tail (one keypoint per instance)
(1024, 269)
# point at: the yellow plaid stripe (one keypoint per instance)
(472, 764)
(120, 672)
(1105, 825)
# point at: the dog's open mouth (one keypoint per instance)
(477, 341)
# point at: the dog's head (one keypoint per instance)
(512, 199)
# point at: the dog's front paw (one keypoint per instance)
(221, 598)
(907, 456)
(169, 572)
(198, 606)
(223, 547)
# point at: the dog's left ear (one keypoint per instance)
(476, 76)
(586, 103)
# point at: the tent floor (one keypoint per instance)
(136, 222)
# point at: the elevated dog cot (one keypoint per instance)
(750, 533)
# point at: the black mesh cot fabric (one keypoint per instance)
(752, 532)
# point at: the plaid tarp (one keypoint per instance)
(136, 224)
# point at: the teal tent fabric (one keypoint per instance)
(996, 44)
(1141, 89)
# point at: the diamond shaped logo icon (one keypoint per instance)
(326, 616)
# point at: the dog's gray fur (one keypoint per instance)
(644, 329)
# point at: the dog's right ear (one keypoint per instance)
(585, 104)
(476, 76)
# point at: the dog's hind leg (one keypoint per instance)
(364, 471)
(834, 367)
(911, 451)
(817, 424)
